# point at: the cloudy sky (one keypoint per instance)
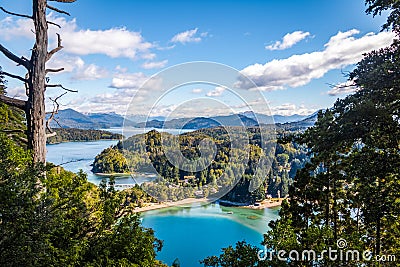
(293, 51)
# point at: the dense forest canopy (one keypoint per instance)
(147, 153)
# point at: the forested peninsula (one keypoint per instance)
(145, 153)
(76, 135)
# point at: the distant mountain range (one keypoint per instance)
(201, 122)
(69, 118)
(301, 124)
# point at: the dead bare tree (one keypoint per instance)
(35, 79)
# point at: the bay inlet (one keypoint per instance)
(189, 233)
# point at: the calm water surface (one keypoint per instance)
(189, 233)
(193, 233)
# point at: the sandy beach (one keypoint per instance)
(183, 202)
(266, 204)
(189, 201)
(112, 174)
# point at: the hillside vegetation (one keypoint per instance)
(147, 153)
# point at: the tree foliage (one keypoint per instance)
(71, 223)
(12, 120)
(147, 153)
(376, 7)
(351, 187)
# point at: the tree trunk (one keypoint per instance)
(37, 77)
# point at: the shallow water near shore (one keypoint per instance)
(195, 232)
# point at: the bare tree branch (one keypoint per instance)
(62, 87)
(13, 76)
(56, 107)
(51, 134)
(55, 50)
(15, 14)
(21, 139)
(58, 10)
(53, 23)
(26, 84)
(21, 104)
(54, 70)
(58, 123)
(344, 85)
(13, 131)
(22, 61)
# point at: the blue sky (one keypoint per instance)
(292, 50)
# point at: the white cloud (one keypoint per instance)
(11, 27)
(166, 47)
(216, 92)
(343, 88)
(128, 85)
(288, 109)
(189, 36)
(121, 69)
(342, 50)
(288, 40)
(128, 80)
(116, 101)
(76, 65)
(17, 92)
(197, 90)
(69, 63)
(90, 72)
(114, 42)
(136, 81)
(154, 64)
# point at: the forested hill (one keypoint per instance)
(144, 153)
(73, 134)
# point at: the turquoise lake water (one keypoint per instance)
(193, 233)
(189, 233)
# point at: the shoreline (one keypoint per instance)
(82, 141)
(169, 204)
(112, 174)
(133, 174)
(155, 206)
(265, 204)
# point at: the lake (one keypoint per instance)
(193, 233)
(189, 233)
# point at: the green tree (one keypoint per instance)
(12, 119)
(71, 223)
(376, 7)
(242, 255)
(110, 161)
